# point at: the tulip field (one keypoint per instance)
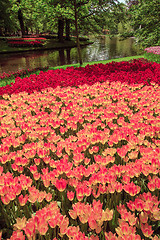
(80, 154)
(154, 50)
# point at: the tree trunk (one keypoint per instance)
(1, 32)
(60, 29)
(77, 34)
(68, 55)
(26, 30)
(62, 57)
(37, 30)
(20, 18)
(68, 30)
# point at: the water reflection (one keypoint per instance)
(103, 48)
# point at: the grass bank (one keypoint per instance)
(97, 62)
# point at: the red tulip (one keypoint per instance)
(61, 184)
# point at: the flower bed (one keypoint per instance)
(154, 50)
(20, 73)
(26, 42)
(82, 162)
(153, 54)
(26, 39)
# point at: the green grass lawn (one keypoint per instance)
(96, 62)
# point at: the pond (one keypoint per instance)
(103, 48)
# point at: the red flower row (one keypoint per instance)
(25, 39)
(25, 44)
(135, 72)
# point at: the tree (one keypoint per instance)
(145, 19)
(115, 17)
(63, 15)
(60, 29)
(89, 13)
(86, 15)
(20, 18)
(68, 29)
(77, 33)
(5, 20)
